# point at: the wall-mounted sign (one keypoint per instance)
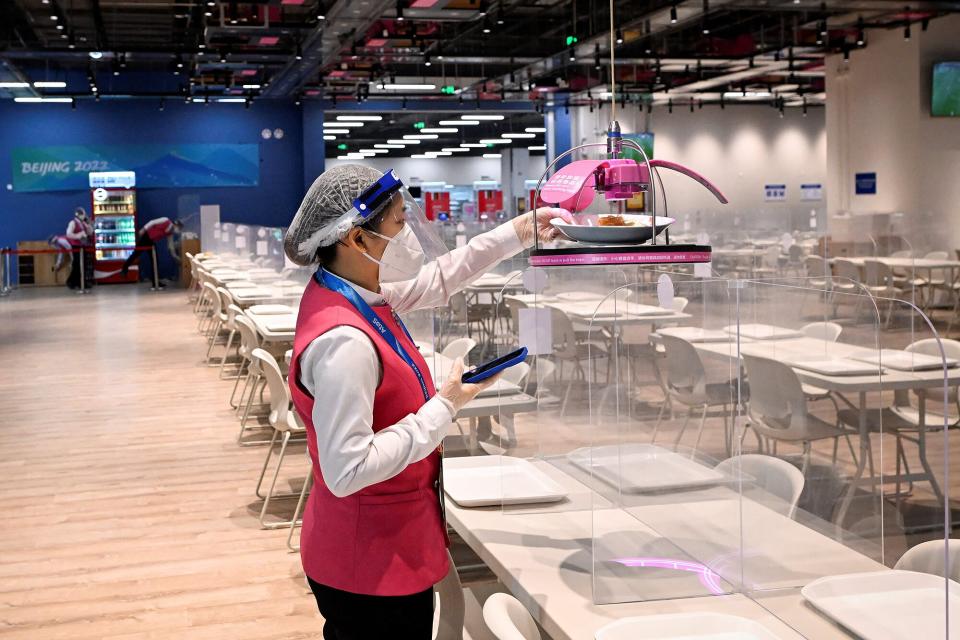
(774, 192)
(113, 179)
(100, 194)
(66, 168)
(866, 183)
(811, 192)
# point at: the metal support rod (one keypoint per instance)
(83, 270)
(156, 276)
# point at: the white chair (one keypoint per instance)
(847, 281)
(774, 475)
(778, 408)
(516, 374)
(458, 348)
(568, 347)
(878, 280)
(508, 619)
(684, 381)
(818, 272)
(285, 423)
(826, 331)
(929, 557)
(232, 312)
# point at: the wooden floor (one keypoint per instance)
(127, 505)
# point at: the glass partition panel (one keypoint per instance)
(666, 520)
(876, 400)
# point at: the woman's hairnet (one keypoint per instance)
(329, 197)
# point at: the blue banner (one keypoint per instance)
(65, 168)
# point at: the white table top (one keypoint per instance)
(259, 295)
(274, 327)
(904, 263)
(543, 557)
(811, 348)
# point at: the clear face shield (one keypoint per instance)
(390, 212)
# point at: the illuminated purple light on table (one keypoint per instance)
(708, 578)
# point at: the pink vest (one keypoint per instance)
(159, 230)
(389, 538)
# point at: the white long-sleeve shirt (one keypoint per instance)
(341, 370)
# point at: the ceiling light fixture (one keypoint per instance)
(329, 137)
(402, 142)
(495, 141)
(388, 146)
(52, 84)
(14, 85)
(673, 13)
(456, 150)
(360, 118)
(492, 155)
(619, 36)
(334, 131)
(399, 10)
(341, 125)
(439, 130)
(483, 117)
(421, 136)
(406, 87)
(519, 135)
(537, 147)
(536, 129)
(473, 145)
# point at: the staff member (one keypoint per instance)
(152, 233)
(79, 235)
(373, 542)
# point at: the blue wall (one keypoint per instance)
(34, 216)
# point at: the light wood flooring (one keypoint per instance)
(128, 508)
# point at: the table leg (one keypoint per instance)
(922, 446)
(861, 461)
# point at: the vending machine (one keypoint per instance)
(113, 197)
(489, 198)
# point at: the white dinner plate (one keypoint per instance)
(483, 481)
(639, 231)
(644, 468)
(686, 626)
(888, 605)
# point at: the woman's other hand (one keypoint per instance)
(546, 231)
(459, 393)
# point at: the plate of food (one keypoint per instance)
(626, 228)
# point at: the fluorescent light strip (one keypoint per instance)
(340, 125)
(495, 141)
(403, 142)
(407, 87)
(439, 130)
(388, 146)
(459, 123)
(439, 153)
(14, 85)
(329, 137)
(251, 86)
(336, 131)
(519, 135)
(536, 129)
(374, 151)
(538, 147)
(472, 145)
(360, 118)
(482, 117)
(418, 136)
(422, 156)
(50, 85)
(34, 99)
(492, 155)
(456, 150)
(231, 99)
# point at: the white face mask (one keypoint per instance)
(403, 257)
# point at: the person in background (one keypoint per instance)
(79, 235)
(374, 543)
(62, 246)
(151, 233)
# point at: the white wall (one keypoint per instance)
(878, 119)
(739, 149)
(458, 171)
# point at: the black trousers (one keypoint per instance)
(354, 616)
(73, 280)
(143, 240)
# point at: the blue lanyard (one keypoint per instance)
(334, 283)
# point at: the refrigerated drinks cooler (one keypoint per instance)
(489, 198)
(113, 198)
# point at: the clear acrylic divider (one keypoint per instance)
(665, 519)
(868, 429)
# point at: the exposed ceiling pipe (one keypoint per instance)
(324, 44)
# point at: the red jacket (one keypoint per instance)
(389, 538)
